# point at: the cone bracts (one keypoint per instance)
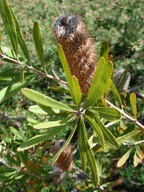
(65, 160)
(70, 31)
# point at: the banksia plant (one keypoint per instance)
(94, 111)
(71, 32)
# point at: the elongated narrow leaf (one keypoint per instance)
(37, 109)
(101, 80)
(73, 82)
(116, 93)
(8, 74)
(17, 133)
(136, 160)
(82, 149)
(133, 104)
(65, 65)
(44, 100)
(20, 39)
(104, 51)
(9, 24)
(97, 129)
(39, 139)
(124, 158)
(122, 139)
(12, 89)
(127, 136)
(140, 153)
(90, 155)
(38, 43)
(54, 159)
(50, 111)
(108, 135)
(58, 123)
(76, 91)
(107, 113)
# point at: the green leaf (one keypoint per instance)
(116, 93)
(7, 173)
(82, 149)
(76, 92)
(122, 139)
(90, 155)
(97, 129)
(50, 111)
(108, 135)
(92, 141)
(22, 74)
(39, 139)
(21, 40)
(37, 109)
(9, 74)
(24, 156)
(17, 133)
(104, 51)
(127, 136)
(54, 159)
(65, 65)
(7, 51)
(9, 24)
(73, 82)
(110, 114)
(45, 100)
(51, 124)
(133, 104)
(101, 80)
(38, 43)
(12, 89)
(124, 158)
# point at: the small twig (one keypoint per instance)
(125, 115)
(3, 56)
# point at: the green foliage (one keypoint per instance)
(100, 82)
(38, 43)
(100, 130)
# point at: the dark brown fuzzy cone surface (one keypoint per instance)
(65, 160)
(71, 33)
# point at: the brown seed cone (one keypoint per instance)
(65, 160)
(70, 31)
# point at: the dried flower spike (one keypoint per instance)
(71, 32)
(65, 160)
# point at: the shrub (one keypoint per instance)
(96, 124)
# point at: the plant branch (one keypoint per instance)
(3, 56)
(125, 115)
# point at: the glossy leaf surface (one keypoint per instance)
(50, 124)
(97, 129)
(39, 139)
(89, 155)
(101, 80)
(107, 113)
(38, 43)
(133, 104)
(44, 100)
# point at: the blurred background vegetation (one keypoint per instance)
(121, 23)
